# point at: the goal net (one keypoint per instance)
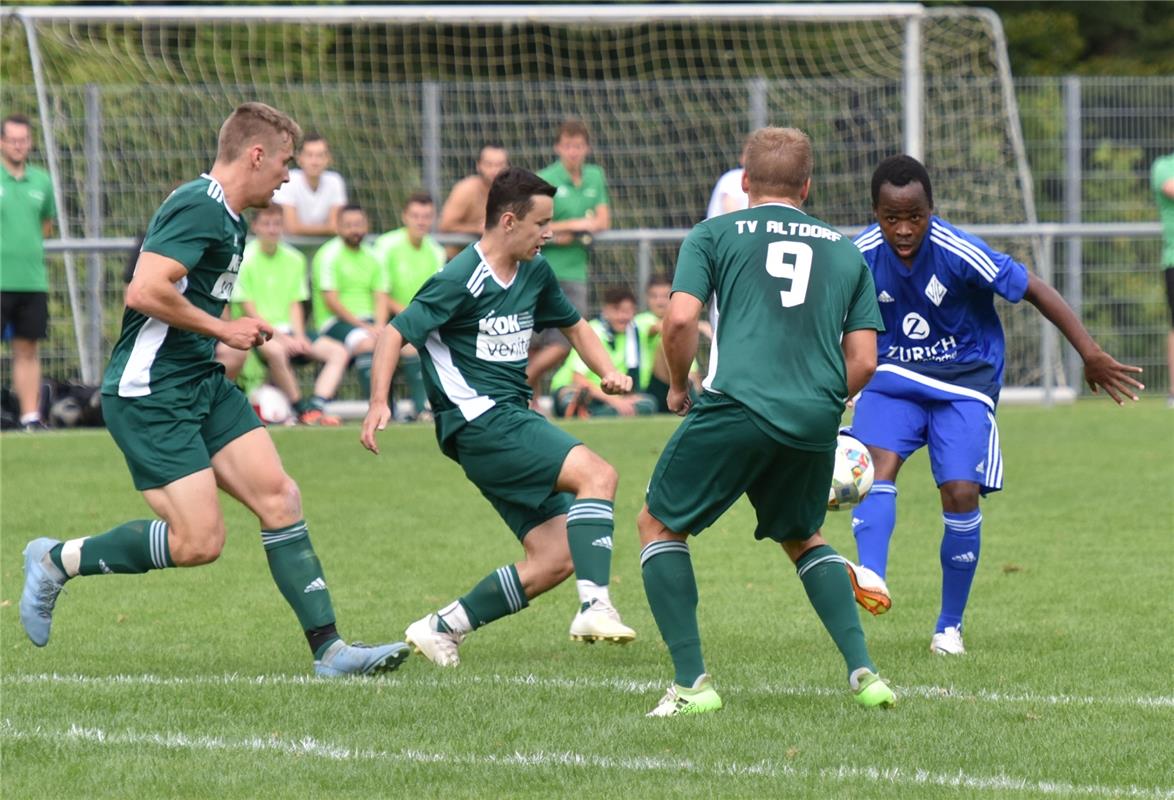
(131, 99)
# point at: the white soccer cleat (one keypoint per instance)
(870, 589)
(438, 647)
(600, 622)
(948, 642)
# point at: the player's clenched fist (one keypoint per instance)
(616, 383)
(246, 332)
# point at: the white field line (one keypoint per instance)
(625, 686)
(308, 746)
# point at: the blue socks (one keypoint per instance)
(959, 557)
(872, 525)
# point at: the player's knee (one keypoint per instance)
(196, 545)
(959, 497)
(280, 504)
(602, 479)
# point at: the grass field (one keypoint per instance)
(196, 683)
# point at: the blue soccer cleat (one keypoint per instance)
(42, 583)
(359, 659)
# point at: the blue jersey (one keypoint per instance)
(942, 337)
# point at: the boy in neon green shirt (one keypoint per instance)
(272, 286)
(654, 369)
(411, 257)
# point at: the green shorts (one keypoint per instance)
(513, 455)
(350, 335)
(173, 433)
(717, 454)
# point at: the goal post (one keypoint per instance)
(407, 95)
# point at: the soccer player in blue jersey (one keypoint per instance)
(940, 369)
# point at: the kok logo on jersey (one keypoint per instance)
(915, 327)
(504, 338)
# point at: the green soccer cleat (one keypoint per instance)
(871, 691)
(700, 699)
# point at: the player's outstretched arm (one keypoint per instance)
(383, 363)
(1101, 370)
(152, 292)
(586, 343)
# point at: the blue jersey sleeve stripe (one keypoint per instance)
(962, 254)
(868, 239)
(970, 247)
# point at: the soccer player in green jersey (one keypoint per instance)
(185, 431)
(472, 324)
(794, 337)
(411, 256)
(272, 286)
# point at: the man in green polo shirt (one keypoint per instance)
(350, 291)
(1162, 181)
(411, 256)
(581, 209)
(272, 286)
(27, 211)
(577, 390)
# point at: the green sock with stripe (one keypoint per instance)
(298, 574)
(672, 596)
(129, 549)
(363, 371)
(414, 375)
(830, 591)
(499, 594)
(590, 525)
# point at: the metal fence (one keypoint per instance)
(1090, 143)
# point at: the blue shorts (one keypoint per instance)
(962, 435)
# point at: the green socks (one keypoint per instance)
(298, 574)
(830, 591)
(672, 596)
(414, 375)
(129, 549)
(590, 524)
(497, 595)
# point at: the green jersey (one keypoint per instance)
(272, 283)
(473, 333)
(355, 274)
(195, 227)
(407, 266)
(569, 261)
(625, 348)
(25, 204)
(784, 288)
(1162, 171)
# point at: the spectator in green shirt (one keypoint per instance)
(577, 389)
(411, 256)
(581, 209)
(272, 285)
(350, 291)
(1162, 179)
(27, 211)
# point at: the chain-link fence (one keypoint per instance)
(1090, 144)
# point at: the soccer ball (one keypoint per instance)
(852, 476)
(271, 405)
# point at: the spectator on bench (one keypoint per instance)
(464, 210)
(350, 291)
(576, 388)
(411, 256)
(654, 368)
(314, 195)
(272, 286)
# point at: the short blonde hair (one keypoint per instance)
(251, 122)
(572, 127)
(778, 161)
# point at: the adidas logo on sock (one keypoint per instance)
(966, 558)
(316, 585)
(604, 542)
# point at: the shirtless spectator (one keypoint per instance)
(464, 210)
